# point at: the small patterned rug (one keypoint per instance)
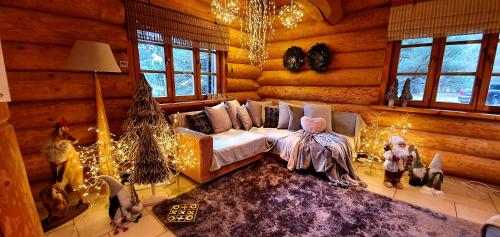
(265, 199)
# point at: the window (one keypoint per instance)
(454, 72)
(191, 74)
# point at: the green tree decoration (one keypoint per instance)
(406, 94)
(392, 94)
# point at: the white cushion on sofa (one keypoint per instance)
(274, 135)
(236, 145)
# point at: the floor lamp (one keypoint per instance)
(97, 57)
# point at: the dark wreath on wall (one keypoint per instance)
(318, 57)
(293, 58)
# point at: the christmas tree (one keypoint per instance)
(406, 94)
(392, 94)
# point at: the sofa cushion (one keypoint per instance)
(320, 111)
(295, 113)
(200, 123)
(181, 119)
(284, 116)
(236, 145)
(244, 118)
(219, 118)
(271, 117)
(232, 109)
(313, 125)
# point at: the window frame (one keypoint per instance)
(169, 76)
(482, 76)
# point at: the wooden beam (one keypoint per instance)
(327, 10)
(243, 71)
(238, 85)
(349, 95)
(243, 96)
(358, 5)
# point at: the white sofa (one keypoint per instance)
(215, 154)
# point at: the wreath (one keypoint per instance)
(293, 58)
(319, 57)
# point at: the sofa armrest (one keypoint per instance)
(201, 146)
(349, 124)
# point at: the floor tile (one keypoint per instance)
(66, 231)
(473, 214)
(422, 198)
(168, 234)
(382, 190)
(148, 226)
(94, 222)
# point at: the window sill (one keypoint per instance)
(188, 104)
(453, 113)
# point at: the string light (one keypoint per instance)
(225, 10)
(291, 15)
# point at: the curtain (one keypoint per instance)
(156, 24)
(440, 18)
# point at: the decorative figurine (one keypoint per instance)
(396, 155)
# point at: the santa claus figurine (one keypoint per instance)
(397, 156)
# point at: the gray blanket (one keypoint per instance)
(329, 153)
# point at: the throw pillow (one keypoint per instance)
(313, 125)
(320, 111)
(232, 107)
(255, 110)
(284, 116)
(271, 118)
(244, 118)
(219, 118)
(199, 122)
(264, 105)
(295, 113)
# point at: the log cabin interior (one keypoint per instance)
(249, 118)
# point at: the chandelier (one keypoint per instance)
(257, 22)
(291, 15)
(226, 10)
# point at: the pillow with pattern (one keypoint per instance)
(271, 117)
(200, 123)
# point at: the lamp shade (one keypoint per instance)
(4, 86)
(92, 56)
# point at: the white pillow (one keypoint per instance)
(219, 118)
(320, 111)
(232, 109)
(284, 116)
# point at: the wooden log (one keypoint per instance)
(335, 107)
(365, 40)
(19, 214)
(111, 11)
(243, 96)
(467, 166)
(42, 85)
(28, 56)
(38, 27)
(237, 85)
(472, 128)
(359, 5)
(235, 37)
(372, 18)
(364, 59)
(245, 71)
(47, 114)
(37, 167)
(237, 55)
(338, 77)
(348, 95)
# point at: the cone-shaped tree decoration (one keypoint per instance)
(392, 94)
(406, 94)
(150, 166)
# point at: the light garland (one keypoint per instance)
(291, 15)
(225, 10)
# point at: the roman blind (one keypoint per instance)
(156, 24)
(440, 18)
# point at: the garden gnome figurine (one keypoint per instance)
(435, 174)
(406, 93)
(392, 94)
(417, 170)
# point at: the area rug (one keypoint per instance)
(265, 199)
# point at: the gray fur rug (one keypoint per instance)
(265, 199)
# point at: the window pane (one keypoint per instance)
(158, 83)
(184, 84)
(496, 66)
(414, 59)
(208, 84)
(151, 57)
(461, 58)
(416, 41)
(455, 89)
(417, 86)
(208, 62)
(183, 60)
(456, 38)
(493, 98)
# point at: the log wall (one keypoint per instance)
(37, 38)
(469, 147)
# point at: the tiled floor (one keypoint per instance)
(474, 204)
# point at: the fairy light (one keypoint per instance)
(225, 10)
(291, 15)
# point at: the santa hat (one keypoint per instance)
(396, 140)
(417, 163)
(436, 162)
(114, 185)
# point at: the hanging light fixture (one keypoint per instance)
(225, 10)
(259, 16)
(291, 14)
